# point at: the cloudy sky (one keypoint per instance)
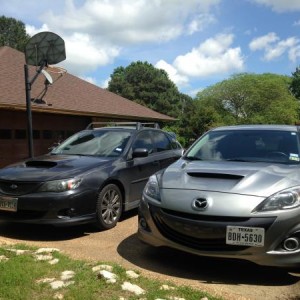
(198, 42)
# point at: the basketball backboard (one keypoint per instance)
(45, 47)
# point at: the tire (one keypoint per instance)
(109, 207)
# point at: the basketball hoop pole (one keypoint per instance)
(42, 49)
(28, 84)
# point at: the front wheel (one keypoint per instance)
(109, 207)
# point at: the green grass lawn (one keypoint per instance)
(43, 274)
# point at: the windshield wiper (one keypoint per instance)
(193, 158)
(239, 159)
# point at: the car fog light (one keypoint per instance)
(291, 244)
(143, 223)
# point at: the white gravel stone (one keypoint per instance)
(18, 251)
(102, 267)
(3, 258)
(41, 257)
(132, 274)
(54, 261)
(46, 250)
(66, 275)
(166, 287)
(109, 276)
(58, 284)
(45, 280)
(127, 286)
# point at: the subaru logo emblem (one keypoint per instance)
(13, 187)
(200, 204)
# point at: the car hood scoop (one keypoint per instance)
(258, 179)
(215, 175)
(40, 164)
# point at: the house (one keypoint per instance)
(58, 110)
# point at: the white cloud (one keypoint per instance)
(200, 22)
(213, 56)
(178, 79)
(96, 31)
(130, 22)
(281, 5)
(263, 41)
(273, 47)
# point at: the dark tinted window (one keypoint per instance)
(143, 140)
(161, 141)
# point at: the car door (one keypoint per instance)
(139, 169)
(166, 152)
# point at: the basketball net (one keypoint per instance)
(57, 72)
(55, 69)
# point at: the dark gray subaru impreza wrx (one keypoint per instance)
(234, 194)
(93, 176)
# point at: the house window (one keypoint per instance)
(5, 134)
(20, 134)
(36, 134)
(47, 134)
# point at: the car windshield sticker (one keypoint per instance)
(294, 156)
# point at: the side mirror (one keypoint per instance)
(140, 152)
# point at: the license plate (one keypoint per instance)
(8, 203)
(245, 236)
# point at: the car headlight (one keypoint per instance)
(60, 185)
(287, 199)
(152, 188)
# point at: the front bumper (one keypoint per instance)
(66, 208)
(163, 228)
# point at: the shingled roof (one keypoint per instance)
(68, 94)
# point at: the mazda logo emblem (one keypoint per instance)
(200, 204)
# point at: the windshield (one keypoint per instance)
(107, 143)
(247, 145)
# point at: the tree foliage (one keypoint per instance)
(250, 99)
(295, 83)
(13, 33)
(143, 83)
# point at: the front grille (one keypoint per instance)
(17, 188)
(21, 215)
(201, 232)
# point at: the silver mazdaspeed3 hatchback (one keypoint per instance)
(235, 193)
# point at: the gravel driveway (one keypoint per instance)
(228, 278)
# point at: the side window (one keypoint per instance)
(143, 140)
(161, 141)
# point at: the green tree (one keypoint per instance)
(251, 98)
(295, 83)
(13, 33)
(143, 83)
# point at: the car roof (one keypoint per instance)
(259, 127)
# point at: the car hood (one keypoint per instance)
(51, 167)
(257, 179)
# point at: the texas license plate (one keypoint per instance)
(245, 236)
(8, 203)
